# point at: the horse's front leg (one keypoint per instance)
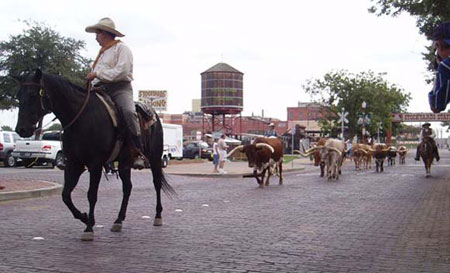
(94, 181)
(71, 176)
(125, 176)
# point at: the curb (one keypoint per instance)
(16, 195)
(227, 175)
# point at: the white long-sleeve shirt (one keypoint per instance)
(432, 134)
(114, 65)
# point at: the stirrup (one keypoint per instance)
(139, 162)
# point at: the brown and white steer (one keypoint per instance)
(263, 155)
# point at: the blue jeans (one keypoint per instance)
(216, 160)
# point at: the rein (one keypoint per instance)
(42, 94)
(82, 107)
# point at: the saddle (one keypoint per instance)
(146, 115)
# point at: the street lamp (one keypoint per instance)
(364, 105)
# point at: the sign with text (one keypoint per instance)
(420, 117)
(154, 98)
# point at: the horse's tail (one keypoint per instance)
(156, 149)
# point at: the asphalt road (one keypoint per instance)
(396, 221)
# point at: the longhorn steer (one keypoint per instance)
(332, 154)
(263, 154)
(391, 155)
(360, 155)
(402, 151)
(380, 151)
(316, 153)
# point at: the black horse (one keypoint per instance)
(88, 139)
(426, 148)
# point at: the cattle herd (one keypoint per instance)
(330, 154)
(265, 155)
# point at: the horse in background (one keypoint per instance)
(88, 141)
(426, 148)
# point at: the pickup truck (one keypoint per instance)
(36, 152)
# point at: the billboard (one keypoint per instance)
(420, 117)
(154, 98)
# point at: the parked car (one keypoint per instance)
(191, 150)
(44, 151)
(7, 144)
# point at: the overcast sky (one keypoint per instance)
(278, 45)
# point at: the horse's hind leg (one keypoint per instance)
(71, 177)
(157, 182)
(125, 176)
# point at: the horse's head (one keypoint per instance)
(30, 97)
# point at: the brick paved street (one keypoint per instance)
(396, 221)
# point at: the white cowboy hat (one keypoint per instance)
(105, 24)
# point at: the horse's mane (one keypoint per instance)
(60, 82)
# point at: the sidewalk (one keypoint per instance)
(233, 169)
(18, 189)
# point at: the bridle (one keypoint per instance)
(42, 95)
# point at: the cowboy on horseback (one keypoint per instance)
(427, 133)
(113, 71)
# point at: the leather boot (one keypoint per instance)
(139, 157)
(139, 162)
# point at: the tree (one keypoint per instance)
(341, 89)
(429, 13)
(39, 47)
(6, 128)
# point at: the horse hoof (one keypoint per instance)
(116, 227)
(87, 236)
(157, 222)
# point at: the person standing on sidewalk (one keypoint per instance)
(222, 149)
(216, 155)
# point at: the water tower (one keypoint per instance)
(222, 98)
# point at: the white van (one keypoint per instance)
(173, 142)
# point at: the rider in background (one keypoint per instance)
(271, 132)
(427, 131)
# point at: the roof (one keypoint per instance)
(222, 67)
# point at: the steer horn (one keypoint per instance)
(307, 152)
(335, 149)
(360, 150)
(238, 148)
(265, 145)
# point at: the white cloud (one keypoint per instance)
(276, 44)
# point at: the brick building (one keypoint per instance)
(307, 115)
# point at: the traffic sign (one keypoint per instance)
(343, 117)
